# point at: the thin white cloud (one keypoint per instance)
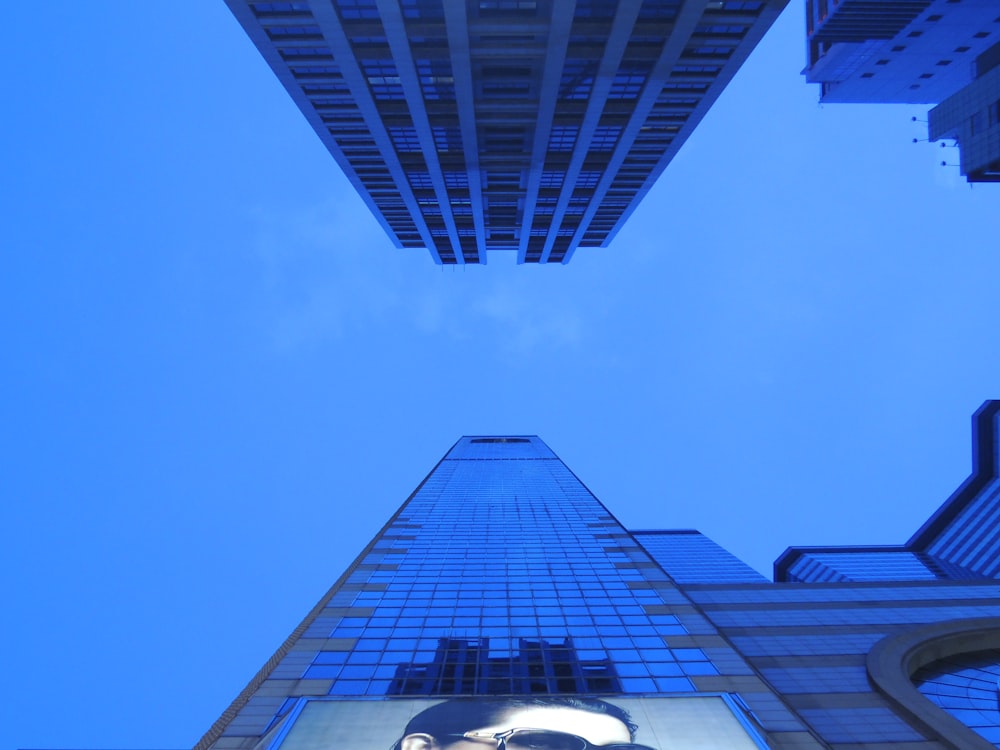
(330, 273)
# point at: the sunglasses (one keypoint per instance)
(543, 739)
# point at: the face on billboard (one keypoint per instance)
(544, 722)
(532, 727)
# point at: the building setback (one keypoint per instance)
(916, 52)
(502, 581)
(534, 126)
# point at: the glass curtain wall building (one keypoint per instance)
(533, 126)
(504, 605)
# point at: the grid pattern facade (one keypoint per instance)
(906, 52)
(691, 557)
(961, 541)
(966, 686)
(972, 118)
(866, 564)
(534, 126)
(972, 540)
(810, 643)
(502, 574)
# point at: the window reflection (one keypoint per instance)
(466, 666)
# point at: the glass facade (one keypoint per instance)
(502, 574)
(503, 579)
(966, 686)
(960, 542)
(972, 539)
(691, 557)
(863, 564)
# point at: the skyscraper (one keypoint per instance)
(916, 52)
(534, 126)
(971, 117)
(504, 605)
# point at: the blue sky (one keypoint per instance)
(220, 378)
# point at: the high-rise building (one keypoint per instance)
(916, 52)
(503, 605)
(971, 118)
(534, 126)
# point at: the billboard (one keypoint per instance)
(529, 722)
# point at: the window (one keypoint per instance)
(279, 9)
(978, 122)
(563, 138)
(512, 7)
(351, 10)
